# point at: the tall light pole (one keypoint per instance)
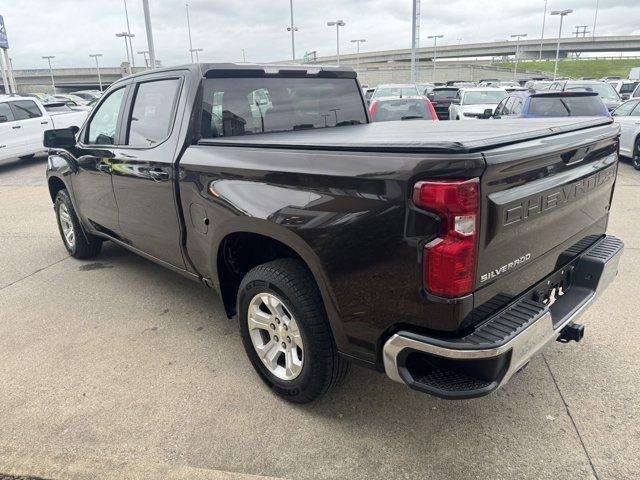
(517, 36)
(48, 58)
(126, 14)
(147, 24)
(96, 55)
(544, 20)
(415, 29)
(358, 42)
(244, 56)
(293, 29)
(595, 18)
(338, 24)
(189, 30)
(196, 50)
(126, 35)
(435, 52)
(562, 13)
(144, 54)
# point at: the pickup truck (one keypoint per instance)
(23, 121)
(445, 254)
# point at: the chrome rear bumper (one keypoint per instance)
(487, 358)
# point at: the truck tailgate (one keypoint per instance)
(543, 202)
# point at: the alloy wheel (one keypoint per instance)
(67, 226)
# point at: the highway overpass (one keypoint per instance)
(529, 49)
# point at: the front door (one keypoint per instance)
(93, 190)
(143, 171)
(9, 133)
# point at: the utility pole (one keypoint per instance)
(48, 58)
(544, 19)
(126, 14)
(147, 23)
(415, 28)
(292, 29)
(189, 30)
(244, 57)
(595, 19)
(562, 13)
(126, 35)
(96, 55)
(338, 24)
(517, 36)
(358, 42)
(435, 53)
(196, 50)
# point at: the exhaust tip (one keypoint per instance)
(572, 332)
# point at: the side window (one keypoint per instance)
(506, 110)
(6, 115)
(25, 109)
(624, 109)
(152, 116)
(498, 110)
(103, 126)
(636, 111)
(517, 106)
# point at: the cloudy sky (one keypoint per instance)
(72, 29)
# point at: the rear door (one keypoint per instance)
(9, 132)
(627, 116)
(143, 169)
(32, 125)
(541, 197)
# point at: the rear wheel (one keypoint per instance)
(78, 243)
(635, 159)
(285, 331)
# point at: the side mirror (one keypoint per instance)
(60, 138)
(3, 119)
(488, 113)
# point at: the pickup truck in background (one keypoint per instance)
(446, 254)
(23, 121)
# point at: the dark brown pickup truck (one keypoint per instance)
(446, 254)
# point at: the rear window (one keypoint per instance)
(401, 109)
(57, 107)
(396, 91)
(25, 109)
(566, 106)
(628, 87)
(446, 94)
(244, 106)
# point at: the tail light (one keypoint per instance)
(434, 115)
(449, 261)
(372, 109)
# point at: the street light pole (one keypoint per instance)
(517, 36)
(144, 55)
(562, 13)
(147, 23)
(595, 19)
(544, 19)
(53, 83)
(338, 24)
(358, 42)
(189, 30)
(292, 29)
(196, 50)
(126, 14)
(96, 55)
(126, 35)
(435, 52)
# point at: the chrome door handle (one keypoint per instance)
(159, 175)
(16, 127)
(44, 123)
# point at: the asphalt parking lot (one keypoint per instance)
(116, 367)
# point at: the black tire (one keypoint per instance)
(27, 157)
(322, 366)
(84, 245)
(635, 158)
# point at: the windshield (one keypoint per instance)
(605, 90)
(243, 106)
(397, 91)
(401, 109)
(445, 94)
(480, 97)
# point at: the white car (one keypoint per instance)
(624, 87)
(23, 121)
(627, 116)
(471, 103)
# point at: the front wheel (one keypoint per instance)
(78, 243)
(285, 331)
(635, 159)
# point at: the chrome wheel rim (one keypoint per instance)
(636, 155)
(67, 226)
(275, 336)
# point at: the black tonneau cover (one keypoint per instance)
(416, 136)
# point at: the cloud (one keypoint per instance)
(72, 29)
